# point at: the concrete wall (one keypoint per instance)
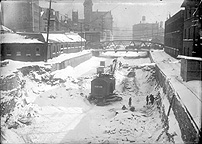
(184, 119)
(71, 62)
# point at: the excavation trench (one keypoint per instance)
(144, 123)
(61, 110)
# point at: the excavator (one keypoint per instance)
(103, 86)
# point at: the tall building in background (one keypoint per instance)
(100, 21)
(88, 9)
(148, 31)
(35, 15)
(22, 16)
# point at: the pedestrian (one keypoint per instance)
(152, 99)
(130, 102)
(147, 99)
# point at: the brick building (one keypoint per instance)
(173, 37)
(191, 32)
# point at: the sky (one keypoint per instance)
(125, 12)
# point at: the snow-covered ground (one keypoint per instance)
(124, 53)
(51, 107)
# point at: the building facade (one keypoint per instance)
(22, 16)
(148, 31)
(99, 21)
(173, 37)
(191, 34)
(54, 20)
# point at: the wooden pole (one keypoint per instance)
(48, 28)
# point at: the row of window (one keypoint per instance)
(188, 33)
(60, 48)
(56, 49)
(18, 53)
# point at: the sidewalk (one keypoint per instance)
(190, 92)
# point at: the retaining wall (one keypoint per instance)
(71, 62)
(188, 130)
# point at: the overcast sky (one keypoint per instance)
(125, 12)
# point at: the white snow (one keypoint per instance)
(66, 37)
(16, 38)
(12, 65)
(66, 56)
(62, 113)
(123, 53)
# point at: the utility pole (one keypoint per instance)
(48, 26)
(81, 37)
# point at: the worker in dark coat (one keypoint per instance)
(151, 99)
(130, 102)
(147, 99)
(120, 64)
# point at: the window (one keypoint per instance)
(28, 54)
(185, 32)
(189, 33)
(62, 48)
(8, 51)
(54, 50)
(18, 53)
(37, 51)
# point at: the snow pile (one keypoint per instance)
(13, 66)
(18, 108)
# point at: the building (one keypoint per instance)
(148, 31)
(191, 36)
(54, 20)
(22, 16)
(23, 48)
(173, 37)
(99, 21)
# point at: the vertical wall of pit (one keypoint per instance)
(187, 128)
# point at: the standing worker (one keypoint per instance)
(130, 102)
(152, 99)
(120, 64)
(147, 100)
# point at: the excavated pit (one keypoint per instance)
(110, 124)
